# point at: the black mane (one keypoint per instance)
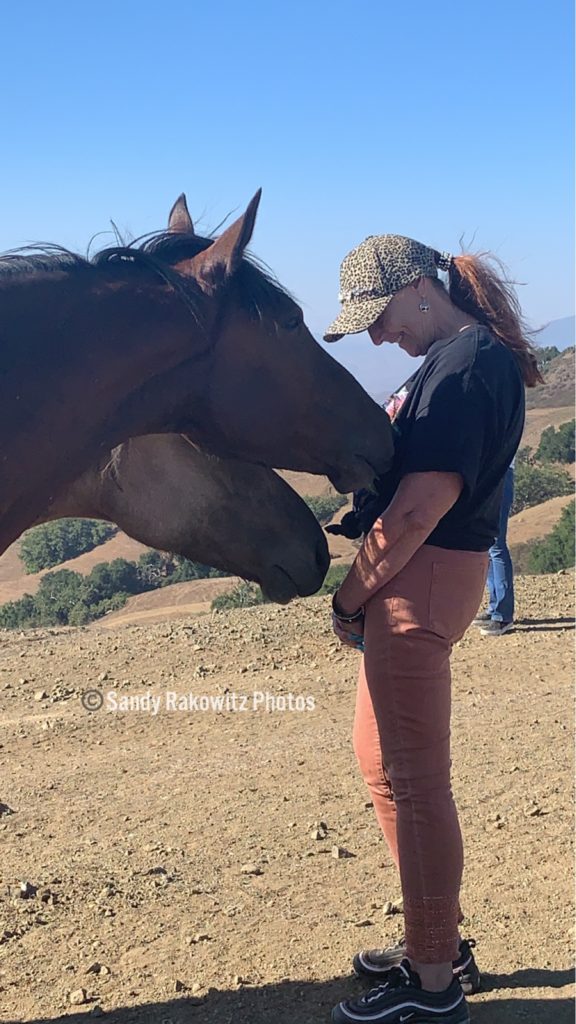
(257, 287)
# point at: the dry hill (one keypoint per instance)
(558, 387)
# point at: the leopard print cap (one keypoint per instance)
(373, 272)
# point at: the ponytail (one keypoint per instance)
(477, 289)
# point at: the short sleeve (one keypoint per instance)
(449, 429)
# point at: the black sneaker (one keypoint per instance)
(495, 628)
(482, 619)
(401, 998)
(375, 963)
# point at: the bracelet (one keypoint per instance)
(346, 618)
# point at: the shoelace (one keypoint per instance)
(401, 944)
(398, 977)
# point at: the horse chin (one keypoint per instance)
(357, 475)
(279, 586)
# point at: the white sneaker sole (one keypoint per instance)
(505, 629)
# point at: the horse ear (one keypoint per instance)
(179, 218)
(213, 267)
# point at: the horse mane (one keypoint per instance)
(257, 288)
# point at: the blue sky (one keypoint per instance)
(439, 121)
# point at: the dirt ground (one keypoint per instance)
(176, 866)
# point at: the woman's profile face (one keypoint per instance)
(402, 323)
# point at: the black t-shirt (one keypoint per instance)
(464, 413)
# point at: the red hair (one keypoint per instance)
(479, 290)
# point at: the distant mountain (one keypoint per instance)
(561, 333)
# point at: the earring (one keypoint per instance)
(424, 306)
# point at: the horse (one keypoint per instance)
(165, 492)
(176, 334)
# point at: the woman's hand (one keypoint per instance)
(351, 634)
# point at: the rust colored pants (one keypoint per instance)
(402, 734)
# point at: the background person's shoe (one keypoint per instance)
(482, 618)
(375, 963)
(495, 628)
(401, 998)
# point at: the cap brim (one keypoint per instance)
(356, 318)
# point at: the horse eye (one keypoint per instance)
(293, 323)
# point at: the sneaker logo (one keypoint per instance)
(407, 1017)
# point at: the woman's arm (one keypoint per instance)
(420, 502)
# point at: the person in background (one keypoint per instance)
(499, 617)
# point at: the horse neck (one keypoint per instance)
(86, 497)
(60, 328)
(73, 347)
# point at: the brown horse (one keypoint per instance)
(163, 491)
(179, 334)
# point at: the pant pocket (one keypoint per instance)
(455, 596)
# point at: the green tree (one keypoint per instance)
(109, 578)
(155, 569)
(557, 445)
(534, 484)
(53, 543)
(56, 596)
(558, 550)
(524, 456)
(160, 569)
(546, 354)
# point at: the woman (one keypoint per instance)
(417, 583)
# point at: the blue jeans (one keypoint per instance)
(500, 571)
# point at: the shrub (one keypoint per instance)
(244, 595)
(21, 614)
(557, 551)
(334, 577)
(557, 445)
(535, 484)
(184, 570)
(53, 543)
(324, 506)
